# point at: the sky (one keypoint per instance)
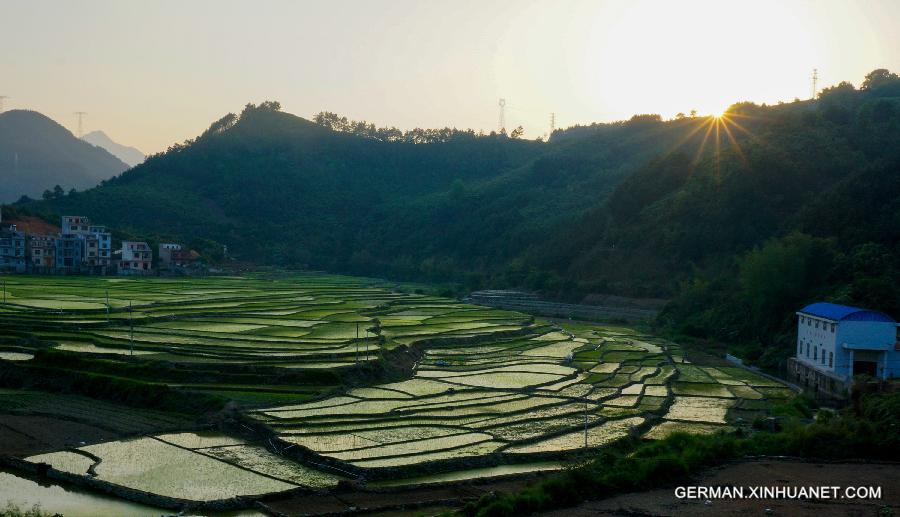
(152, 73)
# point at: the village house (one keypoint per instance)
(69, 253)
(12, 250)
(173, 256)
(137, 259)
(41, 252)
(837, 342)
(96, 243)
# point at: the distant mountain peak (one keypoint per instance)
(130, 155)
(37, 153)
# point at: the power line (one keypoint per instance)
(80, 115)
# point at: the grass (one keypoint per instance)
(12, 510)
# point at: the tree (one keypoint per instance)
(679, 116)
(517, 132)
(58, 192)
(693, 113)
(73, 191)
(877, 78)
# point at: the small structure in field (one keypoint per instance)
(837, 342)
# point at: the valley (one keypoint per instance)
(214, 393)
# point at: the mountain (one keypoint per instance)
(36, 154)
(129, 155)
(737, 220)
(280, 189)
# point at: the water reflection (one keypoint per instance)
(74, 502)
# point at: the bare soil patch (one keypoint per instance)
(25, 435)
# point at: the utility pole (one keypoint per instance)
(585, 422)
(357, 343)
(4, 292)
(815, 80)
(1, 101)
(130, 328)
(107, 305)
(80, 115)
(502, 122)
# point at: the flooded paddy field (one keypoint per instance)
(427, 391)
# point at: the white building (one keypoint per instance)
(137, 259)
(837, 342)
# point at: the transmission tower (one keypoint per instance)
(1, 101)
(552, 123)
(80, 115)
(815, 80)
(502, 125)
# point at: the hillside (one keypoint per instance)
(129, 155)
(739, 220)
(36, 154)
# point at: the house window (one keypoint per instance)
(832, 328)
(830, 359)
(799, 348)
(815, 353)
(817, 323)
(802, 319)
(807, 350)
(808, 322)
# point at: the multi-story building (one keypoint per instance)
(75, 224)
(173, 255)
(41, 252)
(12, 250)
(137, 259)
(96, 243)
(69, 253)
(104, 246)
(835, 343)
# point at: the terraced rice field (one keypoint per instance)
(212, 329)
(521, 399)
(489, 390)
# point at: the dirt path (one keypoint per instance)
(662, 502)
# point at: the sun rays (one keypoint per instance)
(717, 136)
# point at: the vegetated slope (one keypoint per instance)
(279, 189)
(129, 155)
(739, 219)
(36, 154)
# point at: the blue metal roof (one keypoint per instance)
(836, 312)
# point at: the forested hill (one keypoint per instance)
(37, 154)
(739, 219)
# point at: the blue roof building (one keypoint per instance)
(837, 342)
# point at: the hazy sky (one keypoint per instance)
(151, 73)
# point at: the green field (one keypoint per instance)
(438, 389)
